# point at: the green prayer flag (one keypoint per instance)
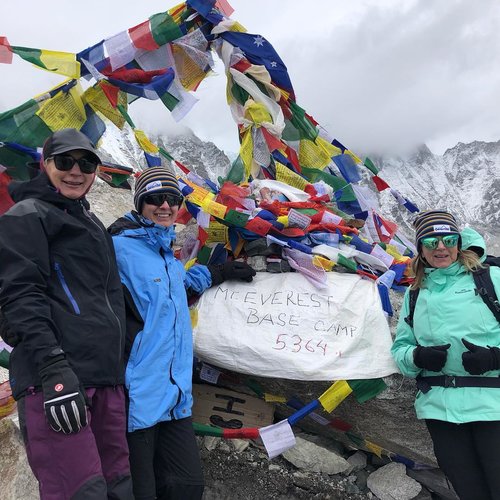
(347, 194)
(255, 386)
(236, 218)
(315, 174)
(364, 390)
(4, 358)
(290, 132)
(125, 115)
(169, 100)
(204, 255)
(31, 55)
(371, 166)
(15, 161)
(239, 93)
(207, 430)
(357, 440)
(349, 264)
(299, 119)
(235, 174)
(164, 29)
(165, 154)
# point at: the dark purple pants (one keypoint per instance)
(92, 464)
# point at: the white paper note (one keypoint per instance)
(277, 438)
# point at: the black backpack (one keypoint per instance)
(484, 288)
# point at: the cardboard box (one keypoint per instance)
(229, 409)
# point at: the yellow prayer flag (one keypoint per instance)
(271, 398)
(393, 251)
(214, 208)
(237, 27)
(313, 156)
(284, 174)
(62, 63)
(198, 195)
(257, 112)
(96, 98)
(64, 110)
(189, 264)
(144, 142)
(189, 73)
(283, 219)
(323, 263)
(193, 314)
(330, 149)
(217, 233)
(374, 448)
(333, 396)
(246, 152)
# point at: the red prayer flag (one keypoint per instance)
(111, 92)
(182, 167)
(202, 236)
(258, 226)
(294, 159)
(380, 184)
(224, 7)
(141, 36)
(242, 65)
(133, 75)
(183, 216)
(5, 51)
(271, 141)
(245, 433)
(5, 199)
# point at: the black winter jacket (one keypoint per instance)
(59, 287)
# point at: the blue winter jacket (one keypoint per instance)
(159, 370)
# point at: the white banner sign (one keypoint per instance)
(282, 326)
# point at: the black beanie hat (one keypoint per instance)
(434, 223)
(154, 180)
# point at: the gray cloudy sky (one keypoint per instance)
(379, 75)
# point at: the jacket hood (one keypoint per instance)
(472, 240)
(41, 188)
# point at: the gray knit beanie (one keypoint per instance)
(154, 180)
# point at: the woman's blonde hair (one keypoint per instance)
(468, 258)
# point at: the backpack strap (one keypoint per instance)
(485, 288)
(412, 302)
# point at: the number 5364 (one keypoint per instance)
(295, 343)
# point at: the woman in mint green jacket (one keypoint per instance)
(452, 348)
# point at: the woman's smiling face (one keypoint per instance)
(441, 256)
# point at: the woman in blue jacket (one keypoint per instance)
(164, 456)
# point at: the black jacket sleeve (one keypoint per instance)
(24, 273)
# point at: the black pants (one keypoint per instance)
(165, 462)
(469, 455)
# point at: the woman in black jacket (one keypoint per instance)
(61, 297)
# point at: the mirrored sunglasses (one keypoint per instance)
(160, 198)
(64, 163)
(432, 242)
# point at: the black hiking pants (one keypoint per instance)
(165, 462)
(469, 456)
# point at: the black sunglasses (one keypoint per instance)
(160, 198)
(65, 163)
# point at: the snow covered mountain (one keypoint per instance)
(464, 180)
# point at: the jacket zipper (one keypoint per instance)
(108, 303)
(66, 289)
(172, 381)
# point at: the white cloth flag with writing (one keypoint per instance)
(277, 438)
(280, 325)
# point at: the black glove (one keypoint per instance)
(231, 271)
(8, 336)
(431, 358)
(63, 399)
(478, 360)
